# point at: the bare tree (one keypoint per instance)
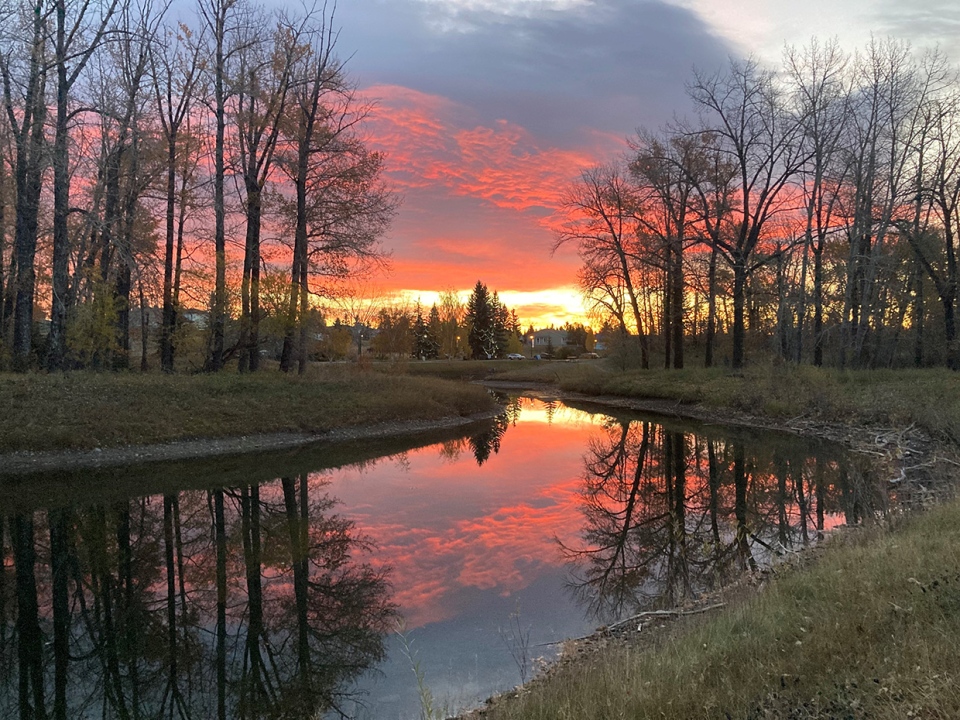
(665, 169)
(176, 69)
(820, 100)
(601, 221)
(24, 69)
(342, 206)
(743, 110)
(223, 20)
(263, 87)
(887, 98)
(932, 227)
(80, 29)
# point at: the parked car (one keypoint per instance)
(515, 356)
(589, 356)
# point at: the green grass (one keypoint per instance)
(871, 630)
(87, 410)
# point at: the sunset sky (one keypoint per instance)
(488, 108)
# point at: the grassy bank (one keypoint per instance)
(871, 630)
(930, 399)
(87, 410)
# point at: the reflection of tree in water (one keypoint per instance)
(488, 441)
(670, 514)
(230, 603)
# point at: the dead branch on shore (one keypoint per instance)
(640, 616)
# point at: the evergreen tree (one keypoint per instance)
(426, 346)
(481, 337)
(434, 331)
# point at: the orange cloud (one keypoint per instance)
(479, 197)
(432, 141)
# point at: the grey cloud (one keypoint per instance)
(922, 22)
(610, 66)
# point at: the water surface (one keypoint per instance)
(234, 591)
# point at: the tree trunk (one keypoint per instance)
(740, 507)
(168, 554)
(677, 306)
(30, 638)
(299, 561)
(667, 313)
(221, 576)
(739, 302)
(59, 563)
(219, 305)
(918, 316)
(144, 327)
(711, 310)
(253, 694)
(250, 289)
(818, 304)
(168, 322)
(57, 341)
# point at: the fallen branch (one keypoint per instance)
(665, 613)
(639, 616)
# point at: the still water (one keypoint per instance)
(295, 583)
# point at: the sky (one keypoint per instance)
(487, 109)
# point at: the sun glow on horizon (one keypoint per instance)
(551, 307)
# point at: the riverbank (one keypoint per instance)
(106, 415)
(780, 395)
(865, 626)
(869, 628)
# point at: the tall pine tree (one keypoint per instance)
(480, 319)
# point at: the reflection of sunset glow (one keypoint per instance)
(446, 526)
(463, 526)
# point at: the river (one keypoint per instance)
(383, 579)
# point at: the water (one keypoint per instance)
(283, 585)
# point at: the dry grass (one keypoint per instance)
(872, 630)
(87, 410)
(928, 398)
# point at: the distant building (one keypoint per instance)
(542, 339)
(200, 318)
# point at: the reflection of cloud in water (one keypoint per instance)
(443, 523)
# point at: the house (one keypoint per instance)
(200, 318)
(549, 338)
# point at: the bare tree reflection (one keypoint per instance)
(669, 514)
(240, 603)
